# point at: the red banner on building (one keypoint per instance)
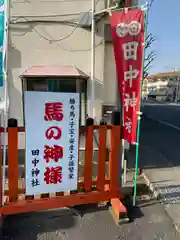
(128, 39)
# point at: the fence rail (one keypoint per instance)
(103, 188)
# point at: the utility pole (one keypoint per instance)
(92, 76)
(177, 87)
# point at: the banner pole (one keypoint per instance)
(5, 69)
(139, 119)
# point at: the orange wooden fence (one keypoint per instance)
(90, 190)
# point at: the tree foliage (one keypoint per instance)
(149, 55)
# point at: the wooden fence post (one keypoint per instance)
(13, 163)
(114, 157)
(102, 158)
(88, 159)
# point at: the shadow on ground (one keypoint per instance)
(34, 225)
(148, 221)
(69, 222)
(79, 223)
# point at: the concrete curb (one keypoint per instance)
(157, 195)
(151, 186)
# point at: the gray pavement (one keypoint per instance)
(160, 159)
(149, 221)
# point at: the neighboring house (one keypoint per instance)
(144, 89)
(163, 86)
(153, 87)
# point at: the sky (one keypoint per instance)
(164, 24)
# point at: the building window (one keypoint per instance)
(60, 85)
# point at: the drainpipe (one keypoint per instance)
(92, 76)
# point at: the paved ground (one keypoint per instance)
(149, 222)
(160, 157)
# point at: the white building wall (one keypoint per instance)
(29, 44)
(33, 42)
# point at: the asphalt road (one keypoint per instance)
(167, 112)
(159, 137)
(160, 132)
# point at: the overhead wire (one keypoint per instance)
(60, 47)
(63, 38)
(46, 38)
(80, 50)
(87, 49)
(47, 16)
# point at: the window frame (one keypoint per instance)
(81, 87)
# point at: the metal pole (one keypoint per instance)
(6, 36)
(92, 57)
(121, 152)
(122, 163)
(139, 118)
(92, 76)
